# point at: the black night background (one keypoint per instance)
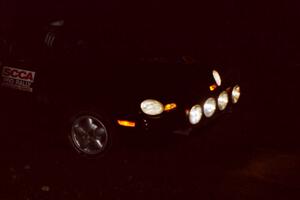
(251, 153)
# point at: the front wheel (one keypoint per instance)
(90, 134)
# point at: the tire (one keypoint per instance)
(91, 134)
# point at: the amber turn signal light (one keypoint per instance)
(213, 87)
(126, 123)
(170, 106)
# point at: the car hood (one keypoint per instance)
(128, 85)
(161, 80)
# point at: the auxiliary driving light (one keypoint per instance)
(235, 94)
(209, 107)
(195, 114)
(223, 100)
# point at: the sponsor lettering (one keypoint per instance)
(17, 78)
(18, 74)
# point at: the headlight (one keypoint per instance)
(235, 94)
(195, 114)
(209, 107)
(223, 100)
(152, 107)
(217, 77)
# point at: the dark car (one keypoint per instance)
(98, 91)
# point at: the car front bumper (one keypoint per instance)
(177, 121)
